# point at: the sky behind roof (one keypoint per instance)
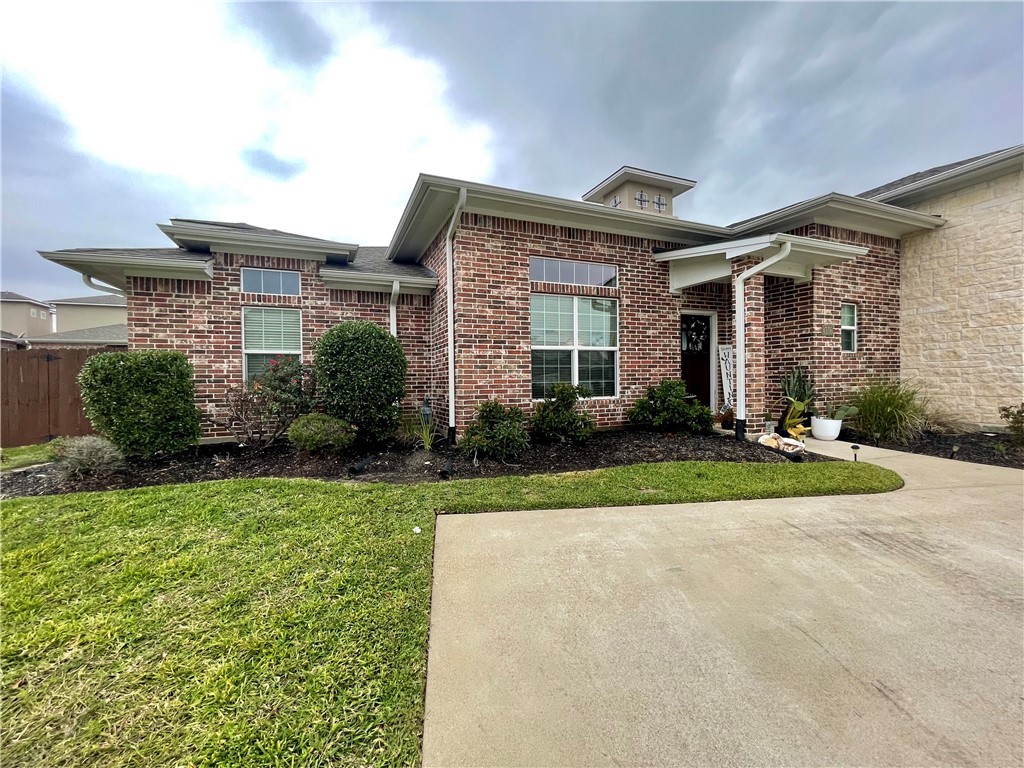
(316, 118)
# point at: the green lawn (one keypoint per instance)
(266, 622)
(25, 456)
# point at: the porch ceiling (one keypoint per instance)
(713, 263)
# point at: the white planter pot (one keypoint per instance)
(825, 429)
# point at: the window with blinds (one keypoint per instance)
(269, 334)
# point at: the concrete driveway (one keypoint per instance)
(868, 630)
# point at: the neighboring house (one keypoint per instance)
(112, 336)
(22, 316)
(90, 312)
(505, 292)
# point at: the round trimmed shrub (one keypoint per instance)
(497, 432)
(669, 408)
(143, 401)
(320, 432)
(360, 372)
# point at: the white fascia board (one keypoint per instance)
(59, 303)
(499, 201)
(339, 279)
(105, 267)
(219, 239)
(834, 208)
(1009, 159)
(27, 300)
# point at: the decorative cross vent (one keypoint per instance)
(641, 199)
(660, 204)
(616, 201)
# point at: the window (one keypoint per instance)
(32, 311)
(270, 281)
(575, 340)
(543, 270)
(848, 327)
(268, 334)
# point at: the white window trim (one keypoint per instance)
(246, 351)
(575, 349)
(582, 285)
(241, 280)
(856, 319)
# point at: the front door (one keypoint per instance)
(695, 340)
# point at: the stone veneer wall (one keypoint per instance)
(204, 320)
(812, 339)
(492, 310)
(963, 305)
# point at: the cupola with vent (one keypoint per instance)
(634, 189)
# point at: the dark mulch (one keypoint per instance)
(226, 461)
(995, 449)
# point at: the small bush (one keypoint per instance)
(497, 432)
(797, 385)
(320, 432)
(668, 408)
(419, 430)
(1014, 418)
(289, 387)
(556, 420)
(248, 413)
(360, 371)
(890, 410)
(89, 456)
(143, 401)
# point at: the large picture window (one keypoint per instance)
(268, 334)
(575, 340)
(848, 327)
(275, 282)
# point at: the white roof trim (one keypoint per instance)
(993, 162)
(677, 184)
(217, 238)
(114, 269)
(710, 263)
(341, 279)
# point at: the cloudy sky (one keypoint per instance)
(317, 117)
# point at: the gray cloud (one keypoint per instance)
(763, 104)
(266, 162)
(290, 36)
(55, 197)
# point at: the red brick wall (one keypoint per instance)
(798, 318)
(492, 310)
(437, 333)
(204, 320)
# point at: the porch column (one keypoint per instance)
(756, 385)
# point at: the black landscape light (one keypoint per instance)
(426, 412)
(854, 448)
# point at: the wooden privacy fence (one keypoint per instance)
(39, 399)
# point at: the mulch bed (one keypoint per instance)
(994, 449)
(398, 465)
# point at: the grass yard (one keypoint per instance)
(25, 456)
(267, 622)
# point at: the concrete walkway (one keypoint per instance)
(858, 630)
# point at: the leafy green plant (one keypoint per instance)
(497, 432)
(88, 456)
(360, 373)
(289, 387)
(143, 401)
(797, 385)
(419, 429)
(792, 422)
(890, 410)
(1014, 417)
(669, 408)
(838, 412)
(319, 432)
(556, 418)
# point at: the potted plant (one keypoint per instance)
(827, 426)
(727, 419)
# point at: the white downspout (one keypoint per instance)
(393, 307)
(450, 278)
(741, 335)
(87, 279)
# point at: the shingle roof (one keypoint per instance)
(106, 300)
(372, 260)
(101, 334)
(8, 336)
(240, 226)
(12, 296)
(922, 175)
(170, 253)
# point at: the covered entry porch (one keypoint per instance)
(776, 310)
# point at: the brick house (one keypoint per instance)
(504, 292)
